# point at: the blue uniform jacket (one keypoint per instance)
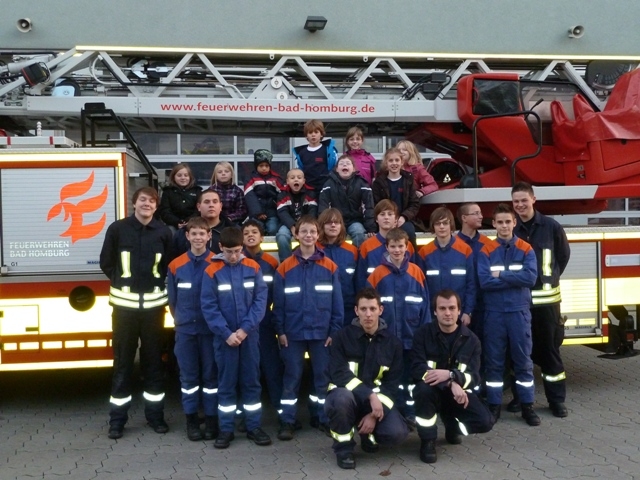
(516, 262)
(345, 256)
(233, 296)
(451, 267)
(476, 243)
(268, 265)
(370, 256)
(184, 284)
(404, 294)
(307, 297)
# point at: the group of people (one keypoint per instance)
(389, 329)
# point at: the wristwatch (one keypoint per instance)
(452, 375)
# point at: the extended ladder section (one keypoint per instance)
(198, 91)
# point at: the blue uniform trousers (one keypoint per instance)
(345, 412)
(405, 400)
(293, 359)
(513, 330)
(198, 372)
(238, 379)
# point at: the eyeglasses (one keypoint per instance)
(475, 214)
(444, 223)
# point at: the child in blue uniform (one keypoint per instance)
(234, 300)
(194, 341)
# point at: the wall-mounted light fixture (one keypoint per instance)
(24, 25)
(576, 32)
(315, 23)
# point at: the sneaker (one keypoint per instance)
(115, 432)
(495, 411)
(210, 427)
(346, 461)
(224, 440)
(286, 431)
(259, 437)
(428, 451)
(529, 415)
(558, 409)
(193, 427)
(159, 426)
(514, 406)
(367, 444)
(452, 436)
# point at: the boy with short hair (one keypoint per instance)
(403, 289)
(194, 341)
(507, 271)
(294, 201)
(373, 248)
(262, 190)
(308, 310)
(270, 361)
(234, 301)
(317, 158)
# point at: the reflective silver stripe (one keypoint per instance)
(267, 278)
(210, 391)
(125, 262)
(280, 411)
(376, 390)
(183, 285)
(155, 303)
(495, 384)
(458, 271)
(554, 378)
(432, 272)
(462, 428)
(321, 401)
(135, 297)
(515, 268)
(386, 299)
(548, 294)
(427, 422)
(497, 268)
(467, 380)
(313, 398)
(350, 271)
(153, 398)
(154, 269)
(253, 407)
(344, 437)
(462, 367)
(190, 391)
(370, 269)
(410, 402)
(323, 288)
(123, 303)
(331, 387)
(292, 290)
(224, 287)
(228, 409)
(524, 384)
(249, 284)
(413, 299)
(383, 368)
(353, 367)
(431, 364)
(120, 401)
(372, 439)
(289, 402)
(547, 258)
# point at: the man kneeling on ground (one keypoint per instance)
(365, 371)
(445, 363)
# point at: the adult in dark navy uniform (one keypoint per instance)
(549, 241)
(134, 257)
(365, 371)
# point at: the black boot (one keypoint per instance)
(495, 408)
(210, 427)
(529, 415)
(193, 427)
(428, 451)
